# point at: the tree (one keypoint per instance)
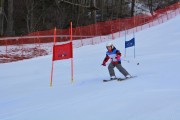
(1, 17)
(10, 21)
(30, 20)
(93, 12)
(150, 4)
(25, 16)
(132, 7)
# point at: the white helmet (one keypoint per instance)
(109, 44)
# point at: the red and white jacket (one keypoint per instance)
(114, 55)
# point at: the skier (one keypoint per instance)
(115, 57)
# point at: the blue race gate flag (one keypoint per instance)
(130, 43)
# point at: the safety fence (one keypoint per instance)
(40, 43)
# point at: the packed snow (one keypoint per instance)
(25, 93)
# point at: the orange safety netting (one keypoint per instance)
(39, 43)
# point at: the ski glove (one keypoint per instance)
(118, 57)
(104, 64)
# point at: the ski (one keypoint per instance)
(110, 80)
(119, 79)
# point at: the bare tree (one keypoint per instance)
(10, 21)
(132, 7)
(33, 15)
(101, 4)
(1, 17)
(30, 20)
(93, 5)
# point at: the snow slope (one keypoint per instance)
(153, 95)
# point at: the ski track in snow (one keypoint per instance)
(153, 95)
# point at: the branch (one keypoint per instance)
(80, 5)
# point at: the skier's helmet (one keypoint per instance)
(109, 45)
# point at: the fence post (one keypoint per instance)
(119, 28)
(178, 7)
(112, 31)
(149, 22)
(137, 24)
(166, 13)
(39, 40)
(91, 33)
(6, 47)
(162, 19)
(22, 50)
(158, 20)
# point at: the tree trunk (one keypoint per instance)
(102, 10)
(93, 4)
(30, 4)
(32, 17)
(150, 4)
(1, 17)
(10, 21)
(121, 8)
(132, 7)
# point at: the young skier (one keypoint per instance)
(115, 57)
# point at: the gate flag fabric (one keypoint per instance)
(63, 51)
(130, 43)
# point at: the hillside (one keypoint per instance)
(153, 95)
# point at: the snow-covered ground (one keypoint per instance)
(25, 93)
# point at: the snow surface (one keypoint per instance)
(25, 93)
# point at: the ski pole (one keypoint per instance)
(128, 61)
